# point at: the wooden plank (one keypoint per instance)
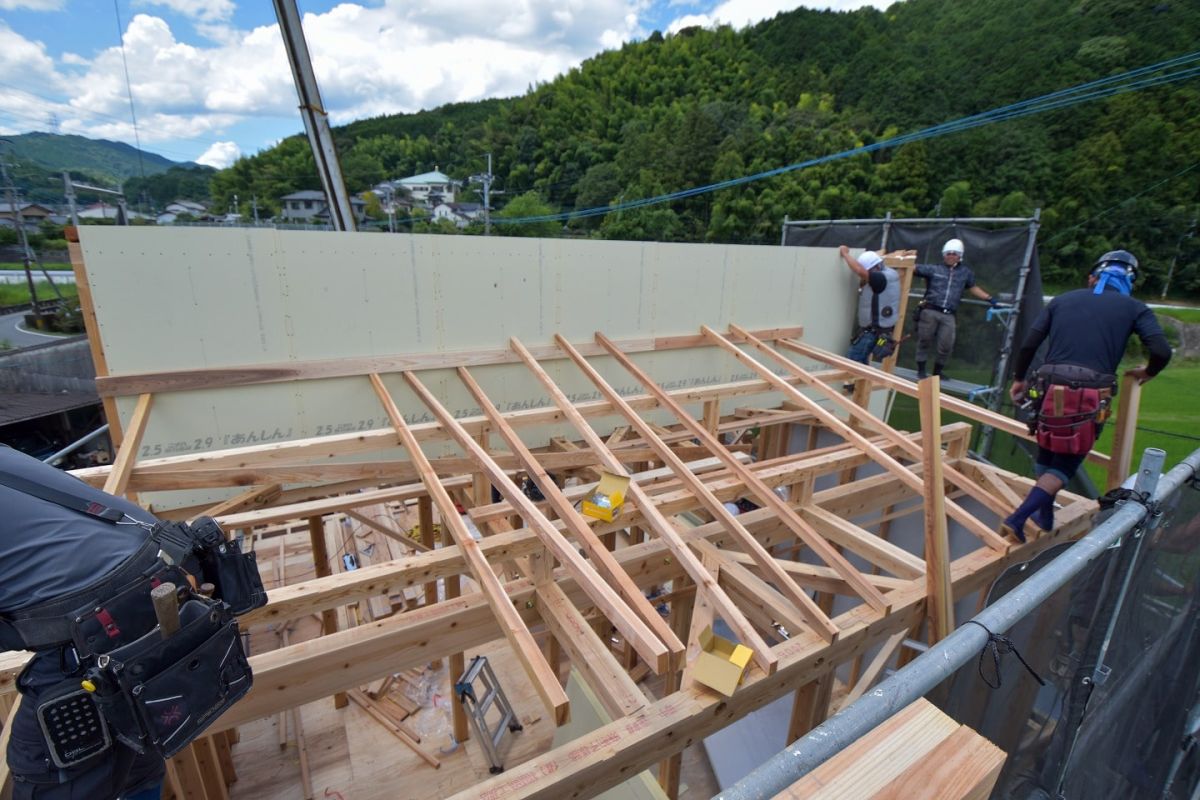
(656, 655)
(394, 535)
(869, 764)
(606, 599)
(964, 766)
(257, 496)
(883, 554)
(617, 692)
(906, 387)
(762, 493)
(653, 518)
(368, 705)
(87, 309)
(5, 735)
(323, 448)
(874, 669)
(210, 767)
(545, 682)
(216, 377)
(1126, 428)
(190, 776)
(960, 515)
(940, 603)
(118, 479)
(306, 784)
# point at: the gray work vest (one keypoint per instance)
(879, 310)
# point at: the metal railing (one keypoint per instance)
(1130, 518)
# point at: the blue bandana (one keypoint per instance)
(1115, 277)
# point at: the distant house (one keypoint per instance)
(32, 214)
(429, 188)
(310, 206)
(106, 211)
(178, 207)
(461, 214)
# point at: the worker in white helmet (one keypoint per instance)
(944, 287)
(878, 305)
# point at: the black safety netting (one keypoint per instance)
(1119, 650)
(994, 253)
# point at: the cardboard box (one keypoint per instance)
(721, 663)
(606, 499)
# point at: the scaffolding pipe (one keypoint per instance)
(943, 659)
(75, 445)
(1010, 334)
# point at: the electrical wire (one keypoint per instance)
(1061, 99)
(129, 89)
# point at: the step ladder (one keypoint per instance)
(478, 690)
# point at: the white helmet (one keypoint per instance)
(953, 246)
(869, 259)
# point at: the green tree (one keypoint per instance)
(521, 207)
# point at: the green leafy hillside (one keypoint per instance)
(111, 161)
(704, 106)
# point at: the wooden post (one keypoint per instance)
(320, 557)
(939, 595)
(1126, 428)
(458, 665)
(118, 479)
(425, 522)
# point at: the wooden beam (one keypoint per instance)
(873, 670)
(320, 557)
(862, 542)
(959, 514)
(650, 513)
(217, 377)
(653, 639)
(522, 642)
(118, 479)
(1126, 430)
(632, 626)
(765, 496)
(905, 387)
(391, 533)
(369, 706)
(256, 496)
(939, 602)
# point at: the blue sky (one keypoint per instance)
(210, 80)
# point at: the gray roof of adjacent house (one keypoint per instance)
(304, 194)
(425, 177)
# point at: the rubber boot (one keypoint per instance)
(921, 370)
(1043, 517)
(938, 367)
(1035, 500)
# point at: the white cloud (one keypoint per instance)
(31, 5)
(199, 10)
(220, 155)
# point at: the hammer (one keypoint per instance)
(166, 608)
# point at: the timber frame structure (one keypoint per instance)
(554, 583)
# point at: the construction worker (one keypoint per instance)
(944, 287)
(48, 552)
(1086, 332)
(878, 304)
(131, 622)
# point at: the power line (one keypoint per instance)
(129, 88)
(1131, 197)
(1064, 98)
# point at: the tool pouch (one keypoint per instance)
(220, 562)
(161, 693)
(883, 346)
(1067, 423)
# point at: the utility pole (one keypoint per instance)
(254, 206)
(1191, 231)
(10, 192)
(486, 179)
(69, 188)
(316, 122)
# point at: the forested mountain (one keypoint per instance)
(107, 160)
(704, 106)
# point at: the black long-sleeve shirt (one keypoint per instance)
(1092, 330)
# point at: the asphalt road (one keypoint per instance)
(14, 333)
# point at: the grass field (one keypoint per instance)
(1169, 418)
(12, 294)
(20, 265)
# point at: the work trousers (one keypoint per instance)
(935, 332)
